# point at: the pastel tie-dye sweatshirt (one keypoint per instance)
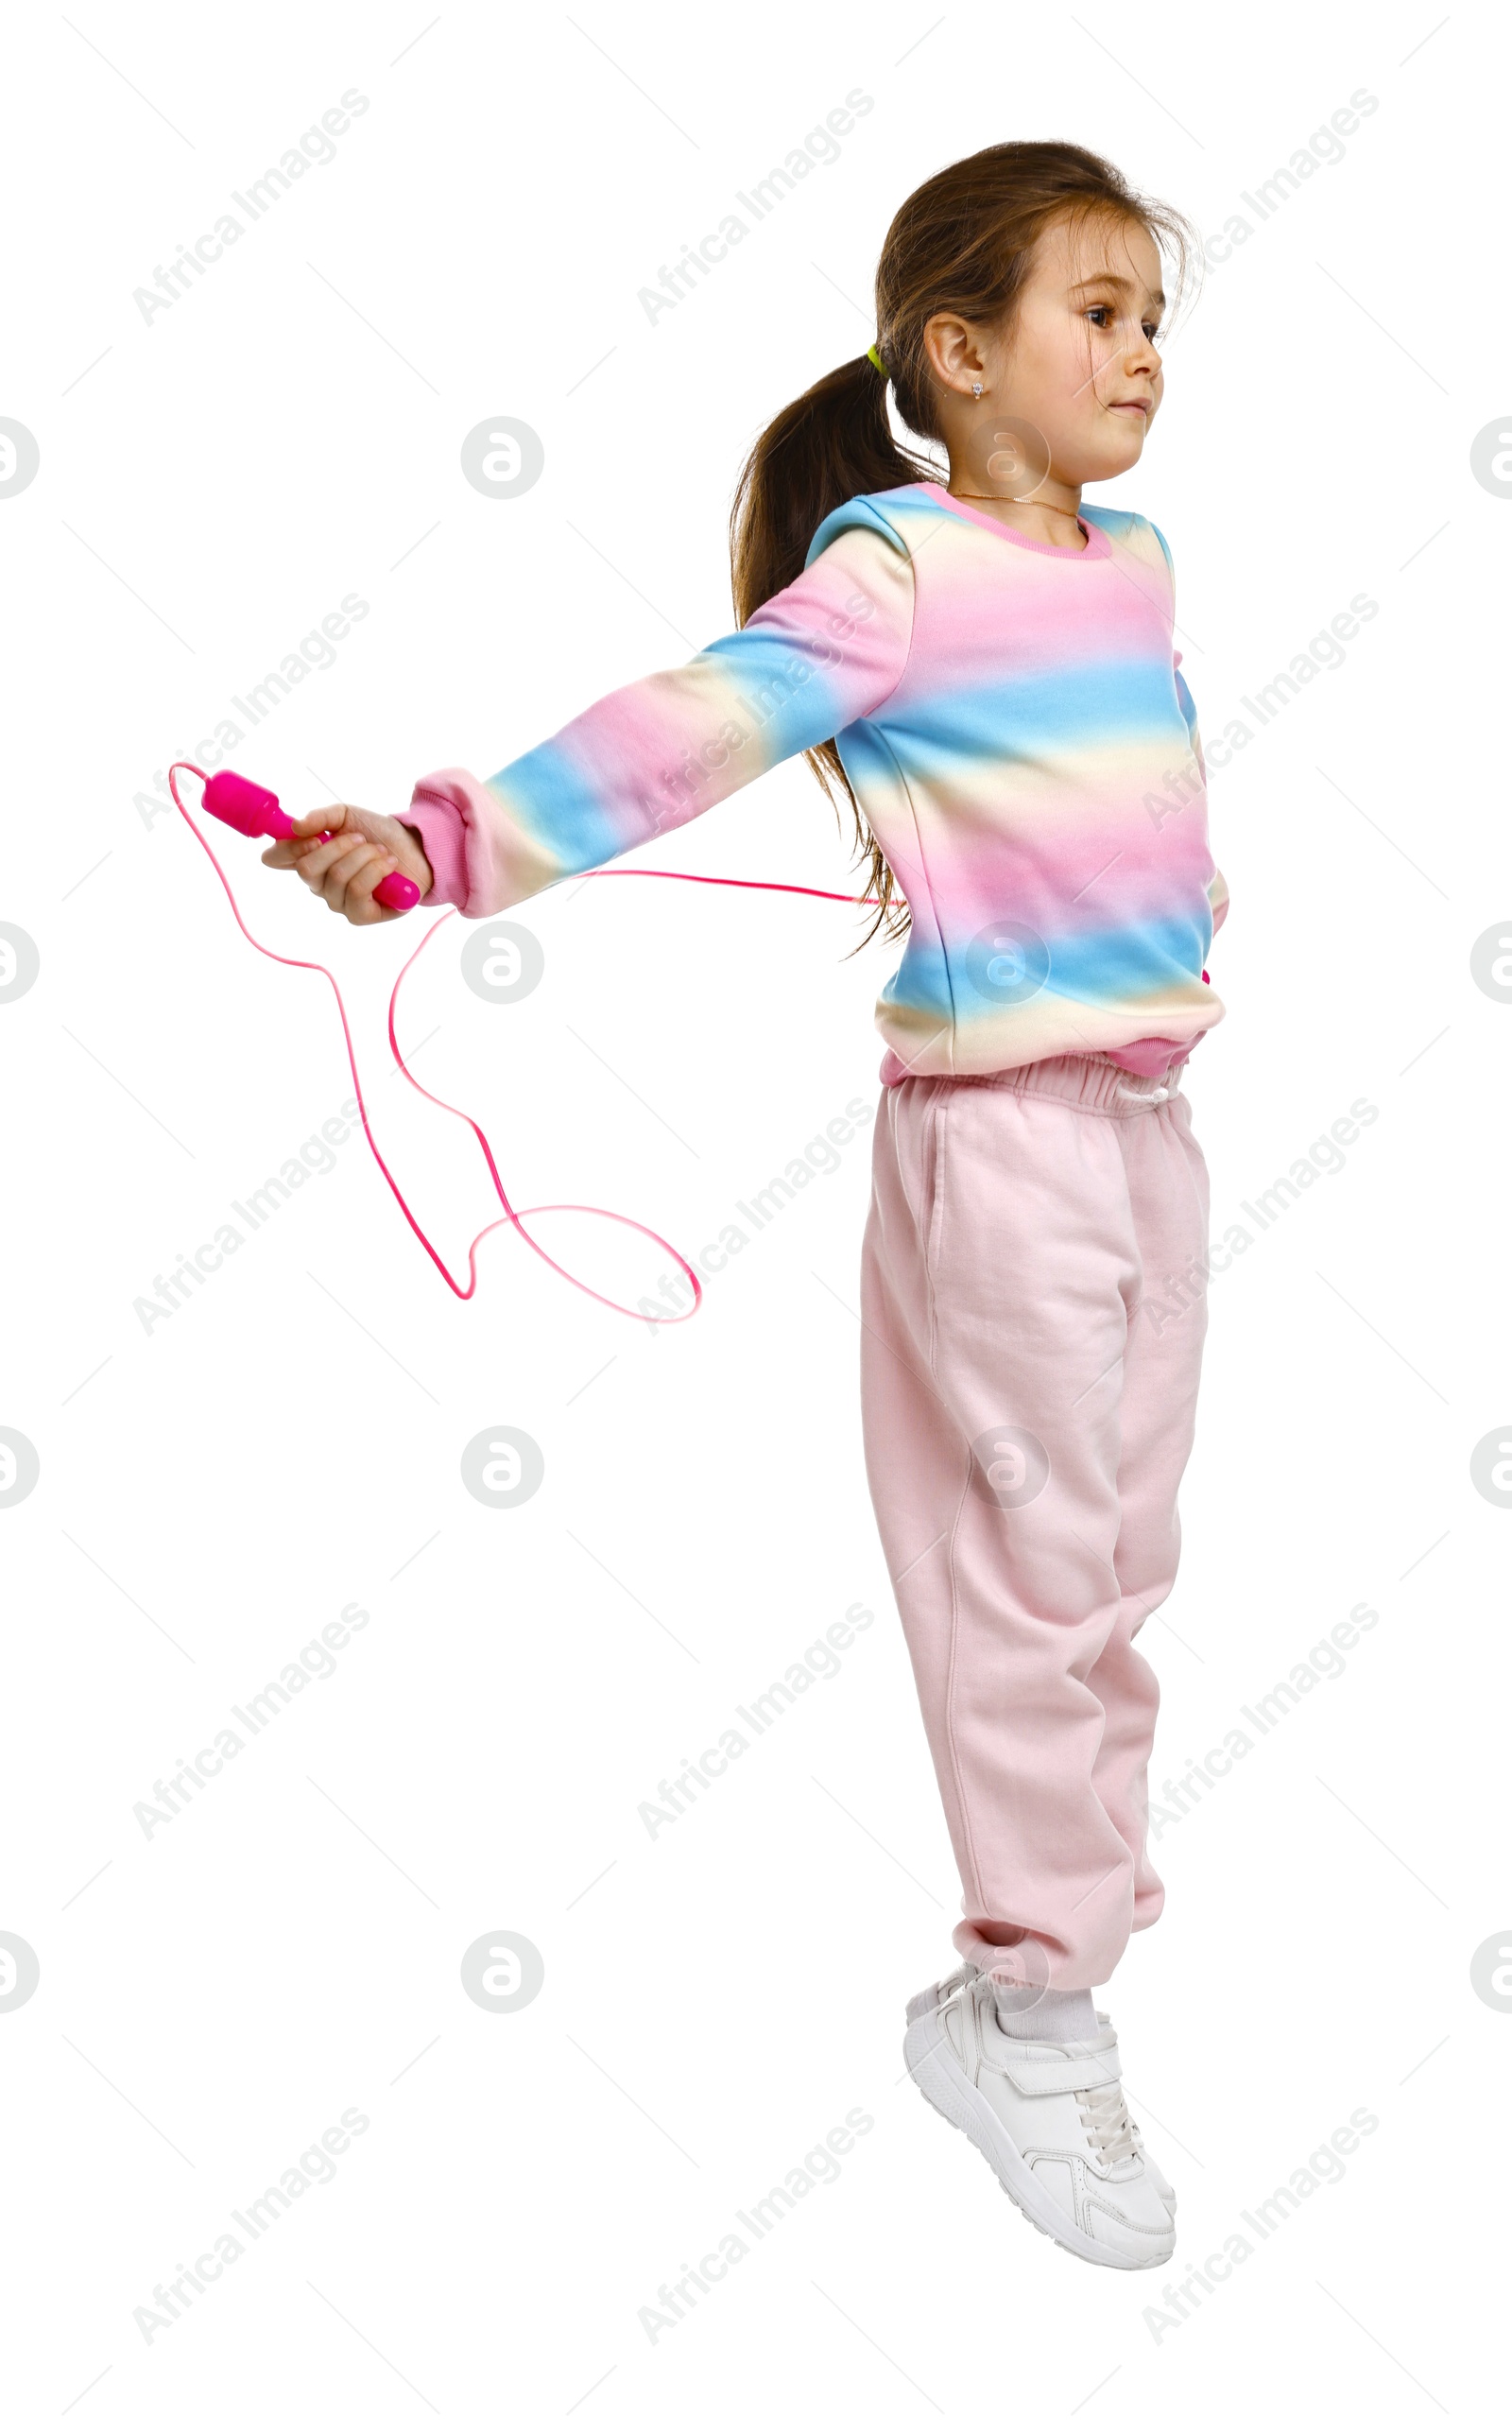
(1014, 722)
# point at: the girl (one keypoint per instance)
(985, 666)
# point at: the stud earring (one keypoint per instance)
(976, 387)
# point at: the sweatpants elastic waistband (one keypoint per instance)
(1093, 1082)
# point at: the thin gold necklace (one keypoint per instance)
(997, 496)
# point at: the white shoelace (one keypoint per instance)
(1105, 2118)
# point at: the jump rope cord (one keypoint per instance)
(511, 1215)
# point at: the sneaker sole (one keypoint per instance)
(942, 2081)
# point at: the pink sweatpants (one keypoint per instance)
(1033, 1312)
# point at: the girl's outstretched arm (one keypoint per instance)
(648, 758)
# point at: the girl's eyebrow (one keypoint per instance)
(1115, 279)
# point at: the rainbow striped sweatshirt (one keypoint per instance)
(1014, 722)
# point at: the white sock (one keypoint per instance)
(1056, 2017)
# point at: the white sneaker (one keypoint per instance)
(1052, 2120)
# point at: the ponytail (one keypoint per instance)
(961, 243)
(832, 444)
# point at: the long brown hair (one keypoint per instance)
(961, 243)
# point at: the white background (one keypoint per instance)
(214, 1491)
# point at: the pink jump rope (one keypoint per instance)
(252, 811)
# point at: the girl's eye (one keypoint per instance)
(1103, 317)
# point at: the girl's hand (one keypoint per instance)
(360, 850)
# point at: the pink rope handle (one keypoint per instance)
(511, 1215)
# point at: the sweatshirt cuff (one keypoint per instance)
(442, 809)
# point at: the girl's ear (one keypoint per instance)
(954, 351)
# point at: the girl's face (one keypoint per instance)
(1077, 365)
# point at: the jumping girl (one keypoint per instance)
(985, 665)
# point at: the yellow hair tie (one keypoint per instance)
(878, 361)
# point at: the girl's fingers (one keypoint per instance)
(350, 880)
(359, 905)
(338, 859)
(343, 869)
(315, 862)
(334, 817)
